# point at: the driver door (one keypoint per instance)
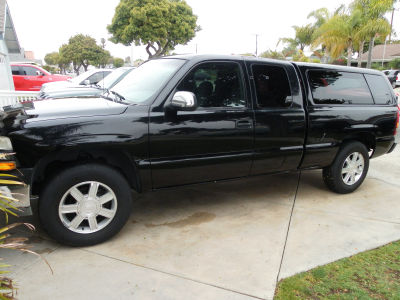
(213, 142)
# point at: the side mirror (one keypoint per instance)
(86, 82)
(184, 101)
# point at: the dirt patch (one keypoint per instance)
(195, 219)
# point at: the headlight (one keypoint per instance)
(5, 143)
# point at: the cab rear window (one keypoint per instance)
(334, 87)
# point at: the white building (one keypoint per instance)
(9, 45)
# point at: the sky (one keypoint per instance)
(228, 27)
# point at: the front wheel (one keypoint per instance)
(348, 170)
(85, 205)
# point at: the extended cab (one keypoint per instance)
(190, 119)
(31, 77)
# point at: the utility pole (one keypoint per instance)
(391, 26)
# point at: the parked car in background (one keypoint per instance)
(93, 90)
(393, 76)
(28, 77)
(87, 78)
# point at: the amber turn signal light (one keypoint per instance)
(7, 166)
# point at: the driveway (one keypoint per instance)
(231, 240)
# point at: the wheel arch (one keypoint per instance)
(54, 162)
(365, 138)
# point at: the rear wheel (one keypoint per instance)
(85, 205)
(348, 170)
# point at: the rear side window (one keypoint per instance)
(272, 86)
(379, 88)
(332, 87)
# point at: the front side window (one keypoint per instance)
(29, 71)
(216, 84)
(272, 86)
(332, 87)
(15, 70)
(379, 88)
(96, 77)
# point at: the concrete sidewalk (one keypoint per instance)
(229, 240)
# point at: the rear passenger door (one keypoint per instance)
(213, 142)
(279, 117)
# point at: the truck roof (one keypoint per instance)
(199, 57)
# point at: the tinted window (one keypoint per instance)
(216, 85)
(96, 77)
(272, 86)
(15, 70)
(331, 87)
(379, 88)
(28, 71)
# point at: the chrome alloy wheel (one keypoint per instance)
(87, 207)
(352, 168)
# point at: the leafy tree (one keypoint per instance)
(160, 25)
(82, 50)
(52, 58)
(118, 62)
(102, 59)
(50, 69)
(395, 64)
(272, 54)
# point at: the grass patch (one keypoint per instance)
(373, 274)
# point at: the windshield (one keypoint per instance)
(142, 83)
(110, 80)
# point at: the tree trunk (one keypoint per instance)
(85, 66)
(360, 53)
(76, 68)
(349, 54)
(370, 47)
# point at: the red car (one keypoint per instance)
(30, 77)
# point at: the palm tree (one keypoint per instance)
(374, 23)
(339, 33)
(321, 16)
(303, 37)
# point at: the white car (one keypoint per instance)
(87, 78)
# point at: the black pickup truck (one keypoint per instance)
(191, 119)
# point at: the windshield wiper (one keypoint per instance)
(118, 95)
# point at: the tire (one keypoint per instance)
(348, 170)
(85, 205)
